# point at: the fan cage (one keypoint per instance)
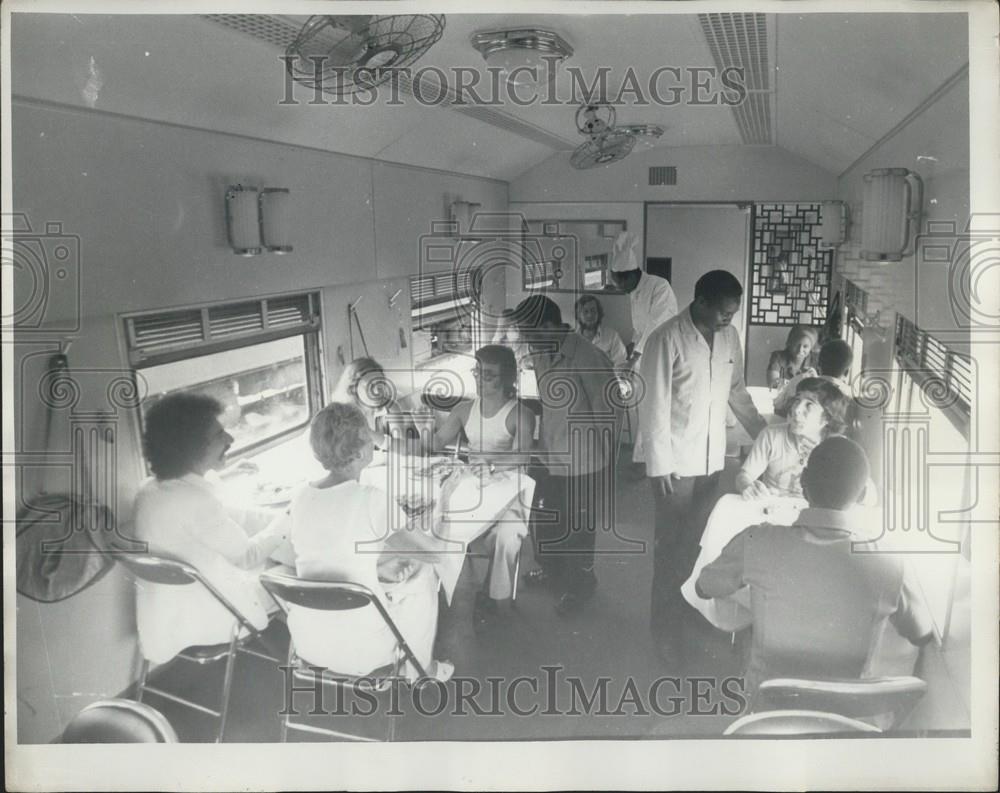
(606, 149)
(346, 55)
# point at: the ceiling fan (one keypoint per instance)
(606, 142)
(342, 55)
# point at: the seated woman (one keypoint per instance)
(179, 515)
(500, 430)
(590, 325)
(364, 384)
(834, 362)
(339, 529)
(780, 452)
(796, 358)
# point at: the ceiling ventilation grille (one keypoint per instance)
(281, 32)
(662, 175)
(740, 41)
(260, 26)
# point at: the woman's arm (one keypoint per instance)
(774, 366)
(748, 478)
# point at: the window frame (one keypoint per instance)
(311, 331)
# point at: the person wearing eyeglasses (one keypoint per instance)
(499, 430)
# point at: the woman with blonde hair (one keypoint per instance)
(796, 358)
(339, 529)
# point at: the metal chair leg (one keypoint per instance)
(227, 684)
(143, 674)
(517, 575)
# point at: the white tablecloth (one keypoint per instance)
(467, 500)
(733, 514)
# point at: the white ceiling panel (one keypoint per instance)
(840, 82)
(453, 142)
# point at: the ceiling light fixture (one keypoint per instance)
(521, 54)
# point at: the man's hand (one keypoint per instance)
(664, 485)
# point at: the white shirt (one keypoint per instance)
(653, 303)
(489, 434)
(338, 534)
(688, 386)
(610, 343)
(185, 519)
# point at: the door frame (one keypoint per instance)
(747, 258)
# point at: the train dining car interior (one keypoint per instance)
(475, 377)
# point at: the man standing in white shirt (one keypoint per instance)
(693, 371)
(651, 299)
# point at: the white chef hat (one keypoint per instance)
(623, 255)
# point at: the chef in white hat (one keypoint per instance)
(652, 302)
(651, 299)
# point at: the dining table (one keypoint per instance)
(452, 501)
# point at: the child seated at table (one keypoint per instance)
(339, 529)
(779, 453)
(818, 605)
(835, 360)
(500, 430)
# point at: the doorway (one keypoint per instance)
(696, 238)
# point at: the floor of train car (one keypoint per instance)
(610, 638)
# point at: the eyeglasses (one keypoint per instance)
(486, 377)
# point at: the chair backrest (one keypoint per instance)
(853, 698)
(332, 596)
(173, 572)
(316, 594)
(797, 722)
(118, 721)
(157, 569)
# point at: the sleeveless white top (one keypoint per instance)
(489, 434)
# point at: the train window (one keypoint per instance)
(259, 358)
(445, 314)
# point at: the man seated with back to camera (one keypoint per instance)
(819, 604)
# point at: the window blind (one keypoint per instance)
(435, 297)
(924, 357)
(158, 337)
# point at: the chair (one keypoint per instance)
(334, 596)
(773, 723)
(854, 698)
(171, 572)
(118, 721)
(791, 706)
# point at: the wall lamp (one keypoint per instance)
(258, 220)
(891, 205)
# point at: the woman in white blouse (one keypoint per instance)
(179, 514)
(339, 528)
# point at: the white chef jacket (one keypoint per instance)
(688, 386)
(653, 303)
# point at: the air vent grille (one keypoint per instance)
(740, 41)
(662, 175)
(259, 26)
